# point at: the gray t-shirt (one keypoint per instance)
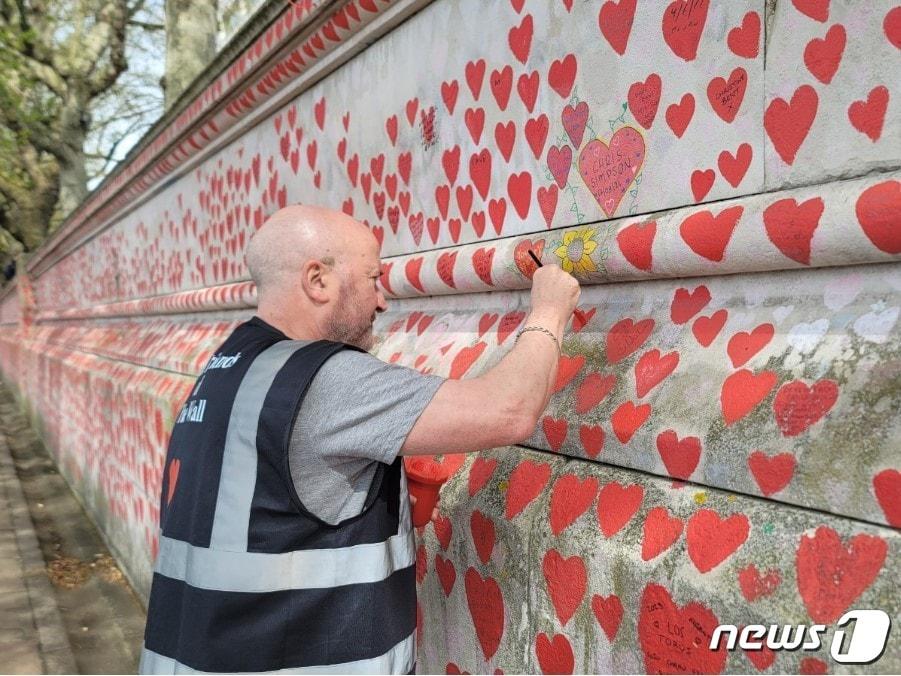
(357, 412)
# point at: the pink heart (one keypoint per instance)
(574, 121)
(608, 171)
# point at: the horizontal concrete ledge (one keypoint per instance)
(841, 223)
(235, 296)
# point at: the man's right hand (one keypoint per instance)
(554, 296)
(502, 406)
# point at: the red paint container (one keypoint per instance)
(424, 479)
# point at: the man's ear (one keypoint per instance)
(316, 279)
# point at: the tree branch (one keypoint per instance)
(38, 69)
(112, 20)
(147, 26)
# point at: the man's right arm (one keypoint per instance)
(503, 405)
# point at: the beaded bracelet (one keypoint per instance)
(542, 330)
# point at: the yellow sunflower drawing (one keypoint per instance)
(575, 251)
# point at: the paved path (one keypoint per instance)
(64, 605)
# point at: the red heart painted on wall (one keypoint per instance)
(679, 115)
(877, 212)
(566, 582)
(743, 391)
(481, 264)
(567, 369)
(449, 91)
(445, 266)
(617, 505)
(798, 406)
(480, 473)
(680, 456)
(482, 530)
(508, 324)
(443, 531)
(465, 359)
(555, 655)
(790, 226)
(660, 532)
(868, 114)
(744, 40)
(615, 21)
(626, 336)
(555, 430)
(501, 83)
(686, 304)
(734, 167)
(726, 96)
(475, 72)
(447, 575)
(822, 57)
(559, 161)
(706, 329)
(832, 575)
(636, 241)
(670, 635)
(547, 202)
(520, 39)
(174, 467)
(523, 260)
(743, 345)
(754, 585)
(412, 269)
(475, 122)
(891, 25)
(772, 473)
(592, 438)
(709, 235)
(527, 88)
(683, 24)
(570, 497)
(609, 613)
(479, 173)
(651, 368)
(887, 486)
(627, 418)
(592, 391)
(710, 539)
(644, 98)
(818, 10)
(519, 189)
(486, 607)
(525, 483)
(787, 124)
(562, 74)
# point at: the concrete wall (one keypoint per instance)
(724, 445)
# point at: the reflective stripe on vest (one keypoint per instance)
(255, 572)
(239, 460)
(314, 608)
(398, 660)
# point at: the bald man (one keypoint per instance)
(286, 541)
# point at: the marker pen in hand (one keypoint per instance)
(577, 312)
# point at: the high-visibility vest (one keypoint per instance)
(246, 578)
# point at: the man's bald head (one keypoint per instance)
(294, 235)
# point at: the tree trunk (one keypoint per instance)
(190, 43)
(73, 125)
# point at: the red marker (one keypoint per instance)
(577, 312)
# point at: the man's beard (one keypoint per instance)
(345, 326)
